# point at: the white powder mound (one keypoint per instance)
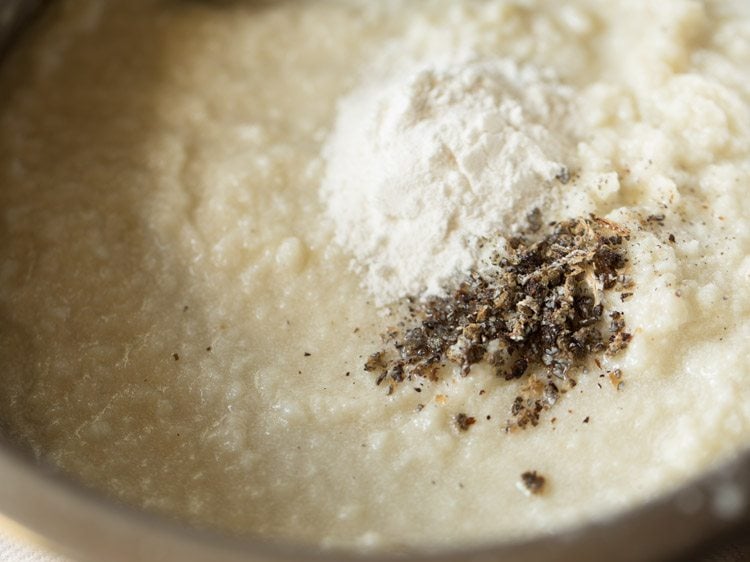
(424, 163)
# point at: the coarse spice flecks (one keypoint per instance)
(537, 312)
(533, 482)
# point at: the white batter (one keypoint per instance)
(167, 264)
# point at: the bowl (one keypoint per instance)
(44, 506)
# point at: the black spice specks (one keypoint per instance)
(537, 314)
(658, 218)
(563, 176)
(532, 483)
(464, 422)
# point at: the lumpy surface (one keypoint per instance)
(179, 328)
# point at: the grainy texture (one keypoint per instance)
(156, 155)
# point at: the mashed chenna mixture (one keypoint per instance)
(212, 212)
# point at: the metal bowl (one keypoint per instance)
(39, 503)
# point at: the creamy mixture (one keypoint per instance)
(186, 304)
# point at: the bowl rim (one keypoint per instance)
(64, 515)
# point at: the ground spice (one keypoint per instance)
(532, 482)
(537, 312)
(464, 422)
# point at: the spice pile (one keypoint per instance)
(537, 311)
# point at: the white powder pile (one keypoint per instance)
(424, 163)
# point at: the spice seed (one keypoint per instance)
(532, 483)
